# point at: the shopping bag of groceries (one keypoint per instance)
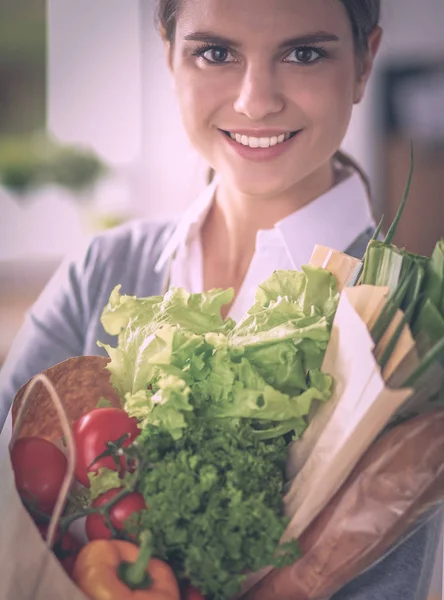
(392, 487)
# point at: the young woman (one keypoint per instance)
(266, 90)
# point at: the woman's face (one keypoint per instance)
(263, 71)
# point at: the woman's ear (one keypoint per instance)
(366, 63)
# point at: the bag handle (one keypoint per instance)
(70, 446)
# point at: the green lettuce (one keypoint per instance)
(177, 359)
(198, 313)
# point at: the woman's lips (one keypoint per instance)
(259, 154)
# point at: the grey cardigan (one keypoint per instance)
(65, 322)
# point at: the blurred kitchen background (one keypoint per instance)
(90, 134)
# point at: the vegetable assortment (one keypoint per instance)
(192, 467)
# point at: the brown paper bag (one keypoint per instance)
(345, 427)
(28, 569)
(399, 481)
(341, 265)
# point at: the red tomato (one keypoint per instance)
(39, 469)
(191, 593)
(96, 528)
(93, 431)
(66, 550)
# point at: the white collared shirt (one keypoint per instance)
(335, 219)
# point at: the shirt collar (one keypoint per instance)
(335, 219)
(189, 224)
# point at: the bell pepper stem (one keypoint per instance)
(135, 575)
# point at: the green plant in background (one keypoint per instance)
(29, 158)
(30, 162)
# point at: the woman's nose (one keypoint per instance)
(259, 94)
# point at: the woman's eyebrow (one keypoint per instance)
(210, 38)
(310, 38)
(300, 40)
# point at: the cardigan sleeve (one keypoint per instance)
(53, 329)
(65, 319)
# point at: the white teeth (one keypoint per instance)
(263, 142)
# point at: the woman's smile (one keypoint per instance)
(259, 145)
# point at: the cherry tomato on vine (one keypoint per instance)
(39, 469)
(96, 527)
(91, 434)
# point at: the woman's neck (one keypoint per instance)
(235, 219)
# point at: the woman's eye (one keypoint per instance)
(215, 55)
(305, 55)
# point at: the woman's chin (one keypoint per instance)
(261, 184)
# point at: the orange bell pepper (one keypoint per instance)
(118, 570)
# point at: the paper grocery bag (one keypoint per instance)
(28, 569)
(341, 265)
(397, 487)
(346, 425)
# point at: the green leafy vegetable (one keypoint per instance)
(214, 400)
(215, 508)
(105, 479)
(176, 355)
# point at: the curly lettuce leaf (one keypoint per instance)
(142, 354)
(215, 504)
(176, 355)
(198, 313)
(312, 289)
(106, 479)
(164, 408)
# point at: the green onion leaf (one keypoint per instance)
(434, 354)
(356, 277)
(391, 306)
(391, 232)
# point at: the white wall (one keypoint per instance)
(94, 75)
